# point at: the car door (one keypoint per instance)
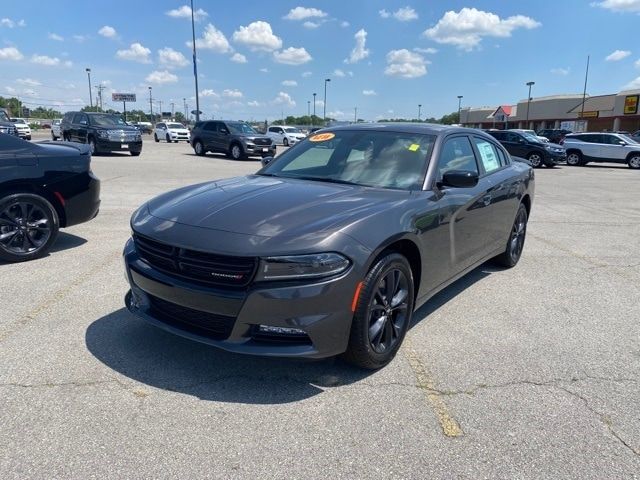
(222, 137)
(612, 148)
(208, 134)
(80, 127)
(464, 212)
(516, 144)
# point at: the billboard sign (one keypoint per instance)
(123, 97)
(631, 104)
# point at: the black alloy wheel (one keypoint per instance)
(510, 257)
(198, 147)
(28, 227)
(383, 313)
(535, 159)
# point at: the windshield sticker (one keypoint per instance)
(414, 147)
(488, 155)
(322, 137)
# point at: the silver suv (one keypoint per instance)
(583, 148)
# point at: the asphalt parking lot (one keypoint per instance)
(532, 372)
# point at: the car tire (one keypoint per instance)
(285, 142)
(574, 159)
(155, 137)
(634, 161)
(92, 147)
(236, 152)
(135, 154)
(517, 236)
(198, 148)
(535, 159)
(21, 238)
(381, 320)
(168, 138)
(53, 137)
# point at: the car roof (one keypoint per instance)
(406, 127)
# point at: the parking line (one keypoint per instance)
(424, 381)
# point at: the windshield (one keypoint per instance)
(629, 139)
(19, 120)
(105, 120)
(530, 137)
(175, 125)
(292, 130)
(4, 116)
(367, 158)
(241, 128)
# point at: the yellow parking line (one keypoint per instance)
(424, 381)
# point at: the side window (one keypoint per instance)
(280, 130)
(612, 140)
(456, 154)
(272, 129)
(77, 118)
(497, 135)
(504, 159)
(488, 155)
(513, 137)
(209, 127)
(222, 128)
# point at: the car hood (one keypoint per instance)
(269, 207)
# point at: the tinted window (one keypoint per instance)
(513, 137)
(488, 155)
(272, 129)
(107, 120)
(456, 154)
(239, 127)
(210, 126)
(222, 128)
(497, 135)
(79, 117)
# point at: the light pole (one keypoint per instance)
(459, 106)
(195, 64)
(529, 84)
(150, 106)
(88, 70)
(419, 111)
(324, 107)
(309, 110)
(314, 110)
(184, 103)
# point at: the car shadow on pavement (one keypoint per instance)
(66, 241)
(162, 360)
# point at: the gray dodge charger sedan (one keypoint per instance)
(330, 247)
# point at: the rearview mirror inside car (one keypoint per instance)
(459, 179)
(266, 161)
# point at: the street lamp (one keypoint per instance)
(529, 84)
(88, 70)
(419, 111)
(314, 110)
(195, 63)
(459, 106)
(150, 106)
(309, 110)
(324, 107)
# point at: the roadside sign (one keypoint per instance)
(196, 112)
(123, 97)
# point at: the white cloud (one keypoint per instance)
(47, 61)
(10, 53)
(359, 52)
(68, 63)
(561, 71)
(619, 5)
(617, 55)
(405, 14)
(283, 99)
(302, 13)
(185, 12)
(336, 114)
(22, 23)
(310, 25)
(56, 37)
(8, 23)
(161, 76)
(428, 51)
(79, 38)
(637, 63)
(135, 53)
(344, 24)
(292, 56)
(213, 39)
(238, 58)
(108, 32)
(264, 70)
(289, 83)
(209, 93)
(633, 84)
(339, 73)
(369, 93)
(405, 64)
(10, 90)
(257, 36)
(171, 58)
(383, 13)
(319, 103)
(28, 81)
(308, 74)
(254, 103)
(234, 93)
(466, 28)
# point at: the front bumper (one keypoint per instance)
(228, 318)
(555, 157)
(117, 146)
(25, 134)
(260, 150)
(179, 136)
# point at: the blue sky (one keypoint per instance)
(261, 59)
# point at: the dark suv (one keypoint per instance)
(236, 139)
(104, 132)
(525, 145)
(554, 135)
(6, 125)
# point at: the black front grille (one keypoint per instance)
(262, 141)
(205, 324)
(201, 267)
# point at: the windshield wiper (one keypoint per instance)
(321, 179)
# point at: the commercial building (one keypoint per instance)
(614, 112)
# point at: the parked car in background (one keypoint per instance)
(24, 131)
(145, 127)
(103, 132)
(170, 132)
(43, 187)
(299, 260)
(6, 125)
(554, 135)
(525, 145)
(583, 148)
(635, 135)
(530, 132)
(55, 129)
(236, 139)
(285, 135)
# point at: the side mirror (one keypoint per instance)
(266, 161)
(621, 143)
(459, 179)
(224, 132)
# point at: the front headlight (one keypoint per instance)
(103, 133)
(302, 266)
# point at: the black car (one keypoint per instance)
(554, 135)
(103, 132)
(236, 139)
(525, 145)
(6, 125)
(330, 247)
(43, 187)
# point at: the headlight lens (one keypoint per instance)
(103, 133)
(302, 266)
